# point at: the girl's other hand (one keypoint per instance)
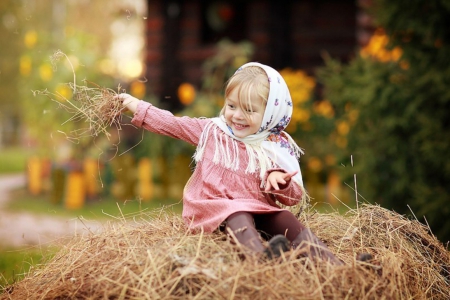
(278, 179)
(128, 102)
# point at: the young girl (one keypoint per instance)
(245, 163)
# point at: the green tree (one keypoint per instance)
(401, 138)
(9, 71)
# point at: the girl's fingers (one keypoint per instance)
(275, 186)
(268, 186)
(273, 183)
(288, 176)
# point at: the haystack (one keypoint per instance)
(151, 256)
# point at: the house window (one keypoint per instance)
(223, 19)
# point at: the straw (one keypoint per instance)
(151, 256)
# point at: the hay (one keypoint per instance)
(90, 103)
(152, 257)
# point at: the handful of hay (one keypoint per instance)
(153, 257)
(97, 106)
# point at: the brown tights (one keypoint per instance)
(245, 227)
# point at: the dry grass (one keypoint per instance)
(97, 107)
(152, 257)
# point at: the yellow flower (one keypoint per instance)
(137, 89)
(376, 48)
(64, 91)
(25, 65)
(46, 72)
(343, 128)
(324, 108)
(300, 115)
(315, 165)
(30, 38)
(186, 93)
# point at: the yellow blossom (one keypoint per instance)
(137, 89)
(324, 108)
(46, 72)
(300, 115)
(25, 65)
(315, 164)
(377, 48)
(30, 39)
(186, 93)
(343, 127)
(64, 91)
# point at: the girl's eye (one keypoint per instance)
(231, 106)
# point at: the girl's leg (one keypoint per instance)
(242, 226)
(284, 222)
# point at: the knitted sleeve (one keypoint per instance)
(164, 122)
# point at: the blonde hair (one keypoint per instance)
(252, 82)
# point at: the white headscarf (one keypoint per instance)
(271, 146)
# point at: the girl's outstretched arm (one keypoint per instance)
(163, 122)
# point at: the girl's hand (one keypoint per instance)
(277, 179)
(128, 102)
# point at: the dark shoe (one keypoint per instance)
(365, 257)
(277, 245)
(313, 247)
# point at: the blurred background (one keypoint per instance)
(369, 80)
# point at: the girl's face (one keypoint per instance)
(244, 121)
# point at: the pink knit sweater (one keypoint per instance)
(213, 192)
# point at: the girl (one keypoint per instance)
(245, 163)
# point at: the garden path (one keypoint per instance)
(19, 229)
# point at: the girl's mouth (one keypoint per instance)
(239, 126)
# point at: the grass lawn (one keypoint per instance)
(16, 263)
(13, 160)
(104, 208)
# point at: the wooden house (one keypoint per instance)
(180, 35)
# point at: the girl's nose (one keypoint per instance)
(238, 114)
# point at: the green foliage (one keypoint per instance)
(16, 263)
(13, 160)
(401, 138)
(9, 71)
(44, 117)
